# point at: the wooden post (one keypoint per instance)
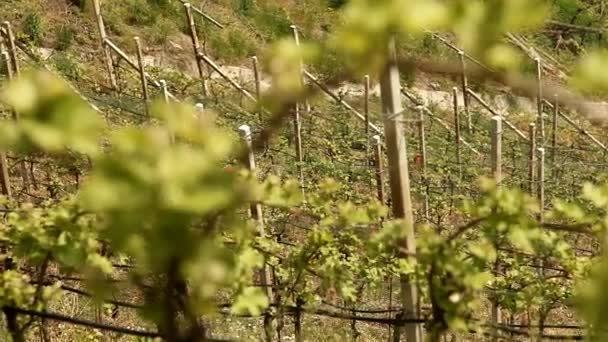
(554, 131)
(256, 76)
(2, 42)
(258, 215)
(165, 91)
(379, 164)
(465, 93)
(297, 122)
(199, 108)
(497, 148)
(540, 120)
(296, 36)
(532, 157)
(258, 85)
(9, 75)
(366, 104)
(106, 50)
(541, 220)
(142, 75)
(400, 188)
(5, 180)
(422, 146)
(541, 184)
(196, 47)
(366, 113)
(457, 129)
(496, 132)
(5, 177)
(12, 49)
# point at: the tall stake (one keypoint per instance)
(258, 216)
(106, 50)
(541, 219)
(2, 42)
(197, 47)
(540, 120)
(532, 157)
(554, 130)
(256, 76)
(366, 113)
(297, 122)
(9, 75)
(497, 174)
(379, 164)
(541, 184)
(142, 75)
(163, 87)
(5, 180)
(465, 92)
(457, 129)
(199, 108)
(6, 58)
(12, 49)
(497, 149)
(422, 146)
(5, 177)
(165, 92)
(258, 84)
(400, 187)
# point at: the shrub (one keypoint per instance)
(231, 45)
(66, 65)
(33, 27)
(140, 13)
(65, 37)
(243, 7)
(335, 4)
(162, 30)
(240, 45)
(273, 22)
(329, 66)
(159, 3)
(81, 4)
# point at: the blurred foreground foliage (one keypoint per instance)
(160, 196)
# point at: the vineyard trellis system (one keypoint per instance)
(519, 162)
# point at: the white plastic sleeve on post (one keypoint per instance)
(199, 107)
(497, 118)
(296, 34)
(245, 132)
(376, 139)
